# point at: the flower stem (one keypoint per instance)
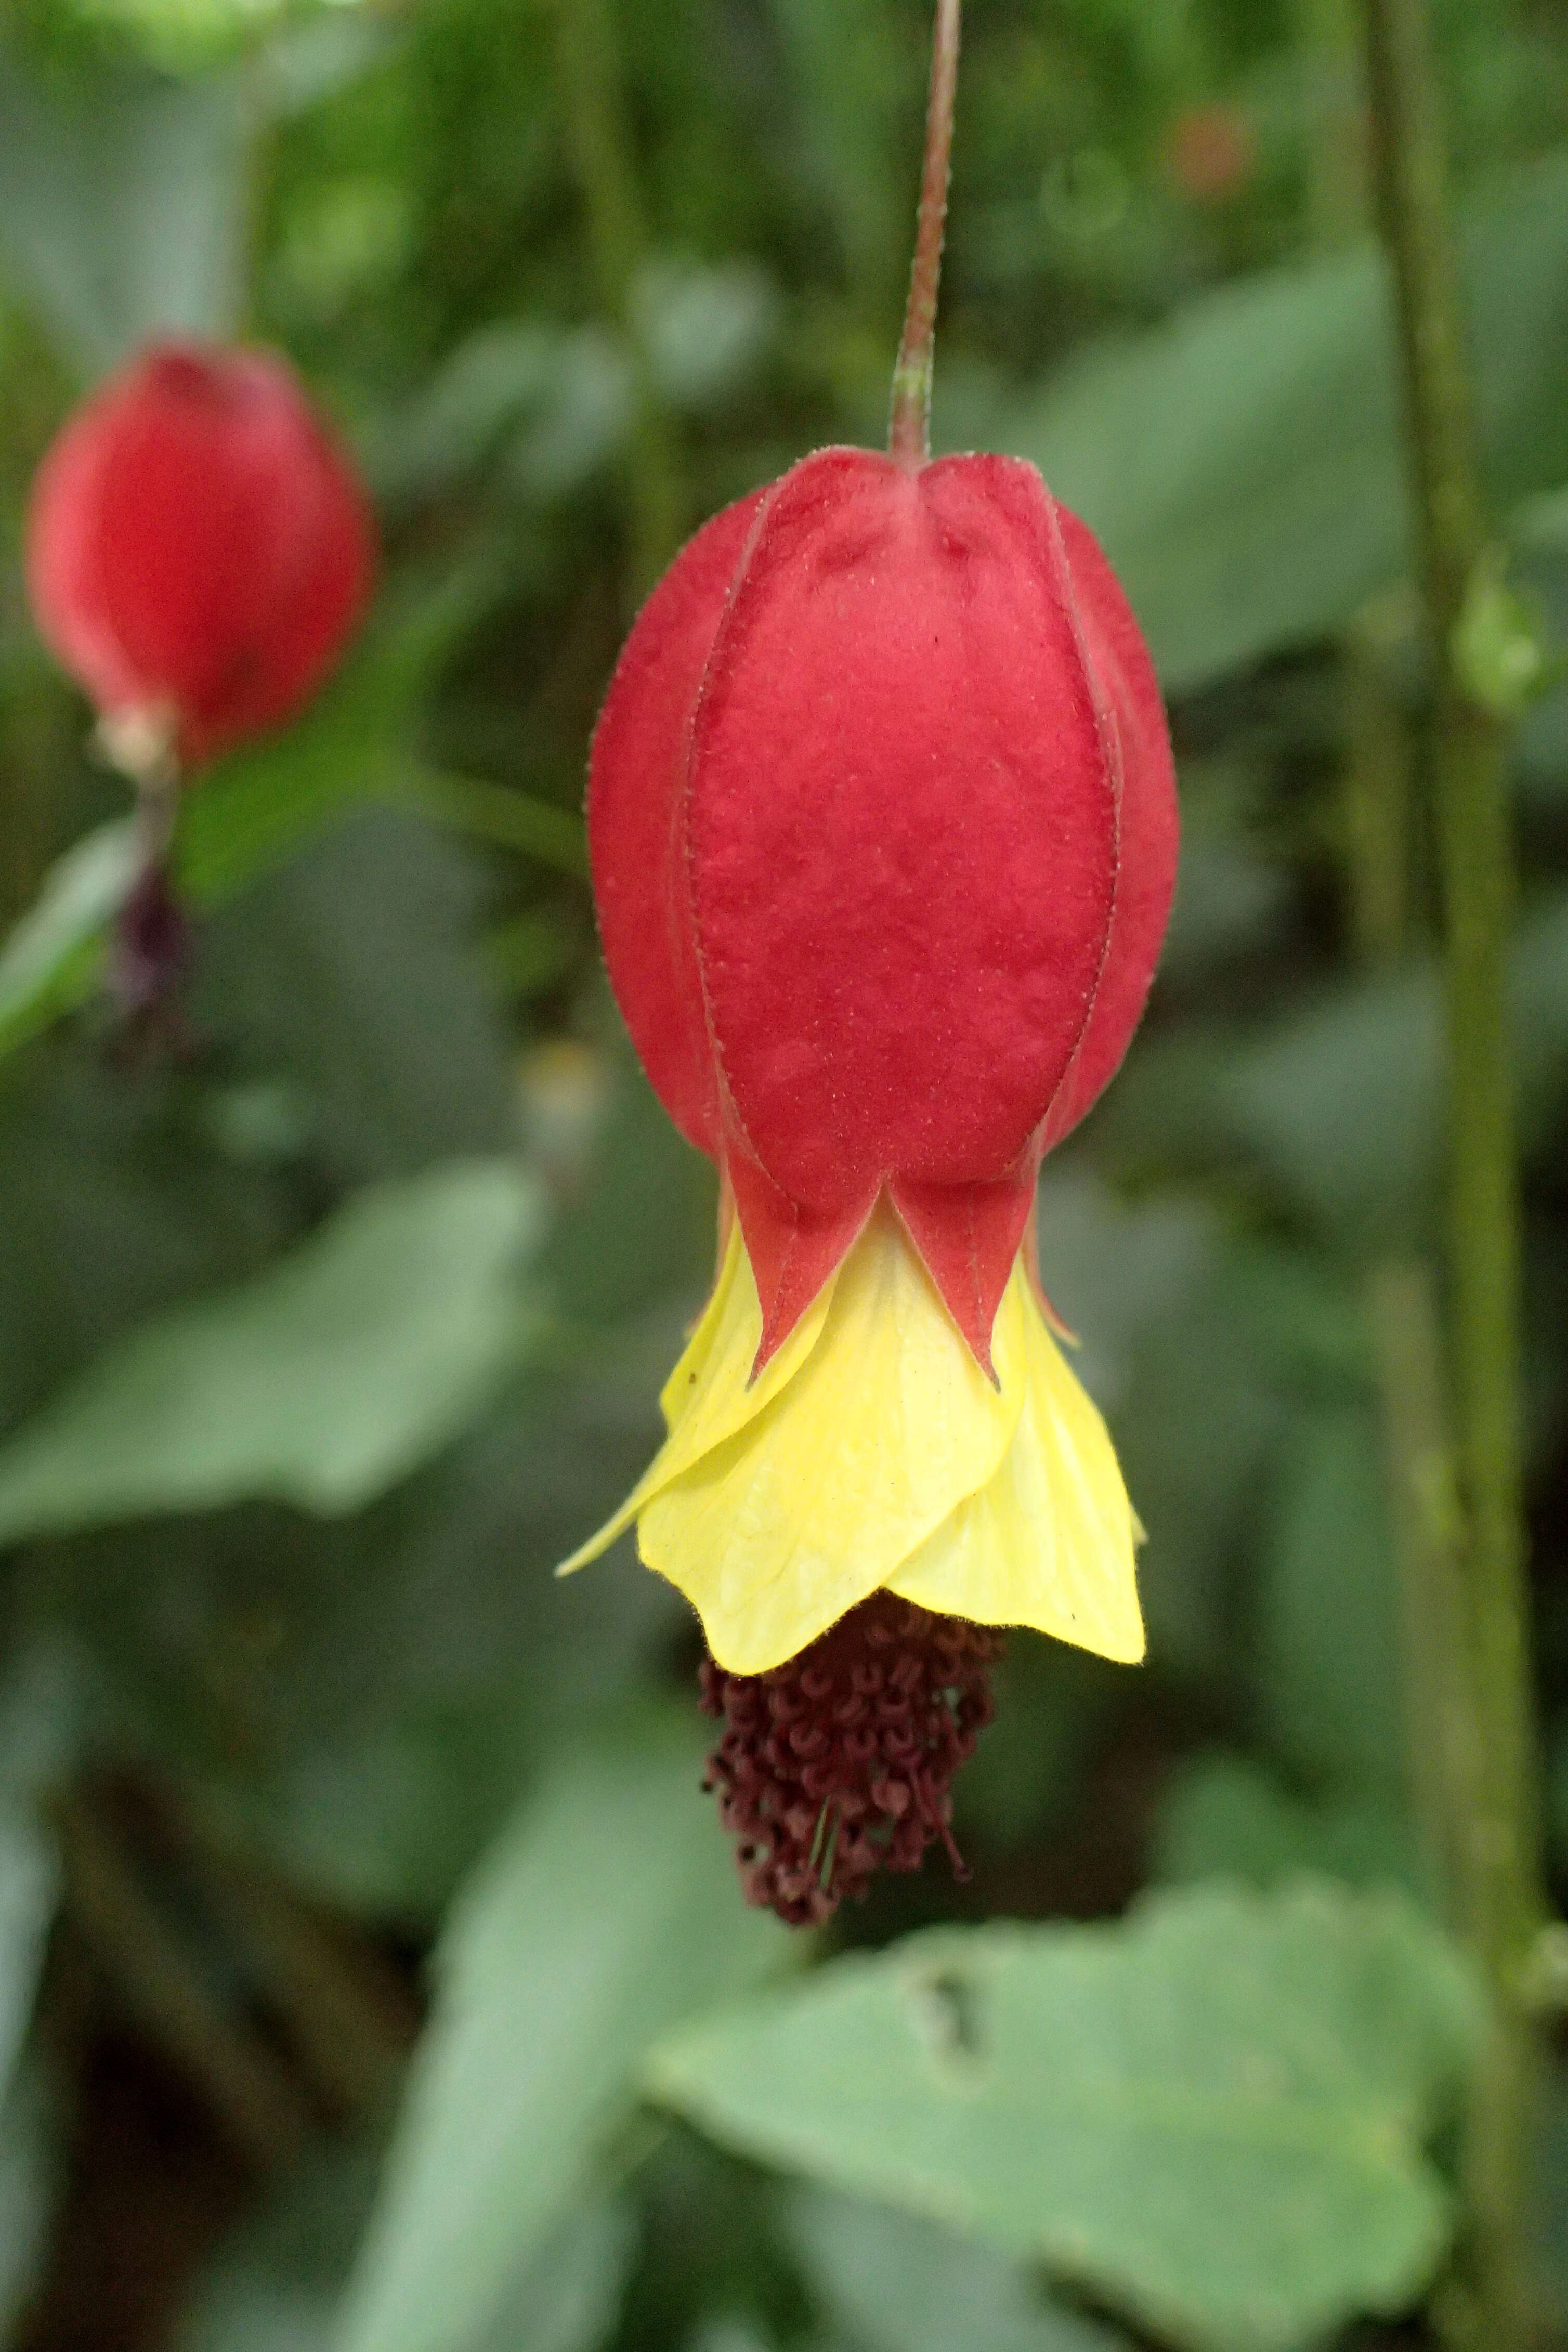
(908, 428)
(1500, 1899)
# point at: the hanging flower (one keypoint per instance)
(882, 825)
(199, 550)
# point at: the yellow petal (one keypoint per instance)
(1049, 1541)
(706, 1400)
(886, 1426)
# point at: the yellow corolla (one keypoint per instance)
(873, 1453)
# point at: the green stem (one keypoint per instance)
(1501, 1900)
(618, 242)
(909, 429)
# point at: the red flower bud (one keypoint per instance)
(198, 548)
(883, 830)
(1211, 153)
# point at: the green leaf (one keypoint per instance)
(1552, 2197)
(246, 814)
(1557, 1791)
(123, 200)
(31, 2176)
(276, 2283)
(52, 959)
(354, 974)
(40, 1734)
(1328, 1610)
(606, 1912)
(1243, 463)
(1222, 1816)
(1343, 1100)
(1214, 2116)
(319, 1383)
(900, 2283)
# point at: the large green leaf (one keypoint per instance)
(1243, 462)
(353, 974)
(276, 2283)
(32, 2165)
(1222, 1816)
(900, 2282)
(123, 202)
(606, 1912)
(1343, 1100)
(52, 956)
(243, 818)
(318, 1382)
(1215, 2115)
(1329, 1648)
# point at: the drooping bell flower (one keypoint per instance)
(882, 825)
(199, 549)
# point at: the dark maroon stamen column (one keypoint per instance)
(840, 1763)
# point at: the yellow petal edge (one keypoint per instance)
(872, 1450)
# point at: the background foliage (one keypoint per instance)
(372, 1974)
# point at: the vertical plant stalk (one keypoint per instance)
(909, 425)
(600, 149)
(1442, 1734)
(1501, 1900)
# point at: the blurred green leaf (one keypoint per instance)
(1214, 2116)
(52, 959)
(40, 1733)
(557, 402)
(29, 1890)
(1552, 2191)
(274, 2281)
(123, 202)
(320, 1382)
(566, 2299)
(1557, 1790)
(1344, 1099)
(353, 973)
(902, 2283)
(1328, 1653)
(848, 73)
(1222, 1816)
(512, 819)
(247, 814)
(606, 1912)
(31, 2169)
(704, 328)
(1230, 902)
(276, 2284)
(1053, 1704)
(1198, 1451)
(1114, 1268)
(1242, 462)
(1342, 1102)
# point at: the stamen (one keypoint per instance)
(840, 1763)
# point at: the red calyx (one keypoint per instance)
(199, 548)
(883, 830)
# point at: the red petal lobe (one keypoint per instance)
(635, 783)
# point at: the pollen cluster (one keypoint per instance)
(840, 1763)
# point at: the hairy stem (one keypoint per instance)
(1501, 1900)
(909, 429)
